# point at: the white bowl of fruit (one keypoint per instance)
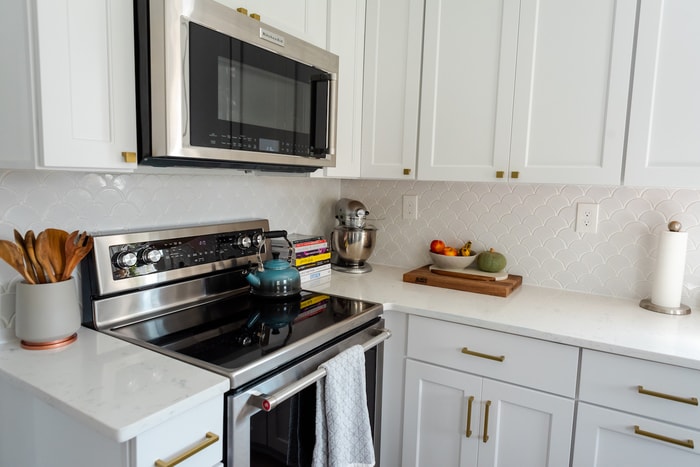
(448, 257)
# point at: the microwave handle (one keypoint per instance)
(324, 98)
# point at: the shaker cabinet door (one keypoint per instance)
(86, 84)
(664, 141)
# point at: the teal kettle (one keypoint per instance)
(274, 278)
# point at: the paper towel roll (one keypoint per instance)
(670, 269)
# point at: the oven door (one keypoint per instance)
(282, 434)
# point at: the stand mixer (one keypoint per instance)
(352, 241)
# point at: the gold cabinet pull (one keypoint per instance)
(407, 171)
(242, 10)
(255, 16)
(514, 174)
(684, 400)
(470, 402)
(486, 421)
(686, 443)
(209, 439)
(129, 156)
(498, 358)
(500, 174)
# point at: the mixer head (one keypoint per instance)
(351, 213)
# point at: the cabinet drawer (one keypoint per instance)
(184, 433)
(521, 360)
(668, 392)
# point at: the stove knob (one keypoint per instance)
(125, 259)
(150, 255)
(257, 240)
(244, 242)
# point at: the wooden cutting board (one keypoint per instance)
(501, 288)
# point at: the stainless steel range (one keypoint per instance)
(183, 292)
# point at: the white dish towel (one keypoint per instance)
(343, 433)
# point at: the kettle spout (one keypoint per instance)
(251, 278)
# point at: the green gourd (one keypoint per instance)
(490, 261)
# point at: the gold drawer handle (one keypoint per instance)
(210, 438)
(486, 421)
(470, 402)
(684, 400)
(680, 442)
(129, 157)
(500, 174)
(498, 358)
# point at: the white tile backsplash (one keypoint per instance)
(103, 202)
(533, 225)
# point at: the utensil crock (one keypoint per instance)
(47, 315)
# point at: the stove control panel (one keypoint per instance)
(152, 256)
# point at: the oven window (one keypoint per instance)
(285, 437)
(246, 98)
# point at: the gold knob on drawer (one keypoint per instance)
(242, 10)
(255, 16)
(129, 157)
(500, 174)
(407, 171)
(514, 174)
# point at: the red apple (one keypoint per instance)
(437, 246)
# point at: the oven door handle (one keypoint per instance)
(268, 402)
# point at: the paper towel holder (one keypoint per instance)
(681, 309)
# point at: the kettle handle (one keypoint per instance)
(275, 234)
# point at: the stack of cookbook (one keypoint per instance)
(311, 255)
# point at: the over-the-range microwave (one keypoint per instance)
(217, 88)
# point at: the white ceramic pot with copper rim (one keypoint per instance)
(47, 315)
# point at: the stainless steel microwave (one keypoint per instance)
(217, 88)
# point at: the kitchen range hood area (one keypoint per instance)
(494, 156)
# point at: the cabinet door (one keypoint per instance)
(346, 38)
(571, 90)
(664, 141)
(305, 19)
(526, 428)
(469, 57)
(607, 438)
(391, 88)
(436, 416)
(86, 83)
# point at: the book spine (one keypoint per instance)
(315, 275)
(311, 259)
(318, 264)
(314, 250)
(298, 243)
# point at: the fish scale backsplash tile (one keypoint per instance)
(533, 225)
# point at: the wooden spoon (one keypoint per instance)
(43, 252)
(28, 267)
(29, 244)
(57, 241)
(77, 247)
(12, 255)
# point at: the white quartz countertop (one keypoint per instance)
(579, 319)
(117, 388)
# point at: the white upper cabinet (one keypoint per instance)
(533, 89)
(86, 85)
(305, 19)
(393, 36)
(664, 129)
(346, 39)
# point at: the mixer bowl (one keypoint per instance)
(353, 245)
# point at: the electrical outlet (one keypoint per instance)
(587, 218)
(410, 207)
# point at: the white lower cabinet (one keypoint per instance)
(34, 433)
(636, 412)
(466, 402)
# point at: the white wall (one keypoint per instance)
(100, 203)
(533, 225)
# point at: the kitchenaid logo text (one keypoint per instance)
(272, 37)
